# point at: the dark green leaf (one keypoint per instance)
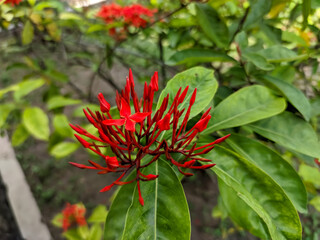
(259, 192)
(258, 8)
(247, 105)
(165, 214)
(258, 60)
(293, 94)
(197, 77)
(271, 163)
(306, 8)
(212, 25)
(36, 122)
(193, 56)
(289, 131)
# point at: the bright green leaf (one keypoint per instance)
(63, 149)
(61, 125)
(36, 121)
(5, 110)
(316, 202)
(247, 105)
(271, 163)
(259, 192)
(26, 87)
(98, 215)
(27, 33)
(19, 135)
(212, 25)
(194, 56)
(289, 131)
(95, 232)
(197, 77)
(8, 89)
(57, 220)
(165, 214)
(60, 101)
(293, 94)
(69, 16)
(310, 174)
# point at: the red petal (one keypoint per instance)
(113, 122)
(139, 117)
(130, 125)
(164, 124)
(104, 105)
(154, 82)
(125, 110)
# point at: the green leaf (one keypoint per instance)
(279, 54)
(197, 77)
(293, 94)
(165, 214)
(5, 110)
(61, 125)
(19, 135)
(98, 215)
(212, 25)
(272, 164)
(72, 234)
(306, 9)
(258, 8)
(57, 220)
(310, 174)
(63, 149)
(36, 122)
(258, 60)
(27, 33)
(95, 232)
(193, 56)
(8, 89)
(289, 131)
(259, 192)
(118, 211)
(78, 112)
(69, 16)
(315, 105)
(316, 202)
(60, 101)
(247, 105)
(26, 87)
(285, 73)
(241, 213)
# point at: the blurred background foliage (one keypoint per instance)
(56, 55)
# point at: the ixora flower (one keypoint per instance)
(134, 15)
(13, 2)
(138, 134)
(73, 214)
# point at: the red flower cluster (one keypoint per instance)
(73, 214)
(13, 2)
(133, 15)
(136, 135)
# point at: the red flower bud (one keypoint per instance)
(150, 177)
(202, 124)
(189, 163)
(104, 105)
(82, 141)
(193, 97)
(154, 82)
(183, 95)
(112, 161)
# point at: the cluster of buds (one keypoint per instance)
(133, 15)
(73, 214)
(12, 2)
(138, 134)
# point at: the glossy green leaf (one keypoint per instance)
(27, 33)
(63, 149)
(26, 87)
(60, 101)
(241, 213)
(5, 110)
(36, 122)
(259, 192)
(289, 131)
(61, 125)
(258, 60)
(247, 105)
(115, 221)
(278, 53)
(293, 94)
(165, 214)
(258, 8)
(197, 77)
(19, 135)
(212, 25)
(194, 56)
(272, 164)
